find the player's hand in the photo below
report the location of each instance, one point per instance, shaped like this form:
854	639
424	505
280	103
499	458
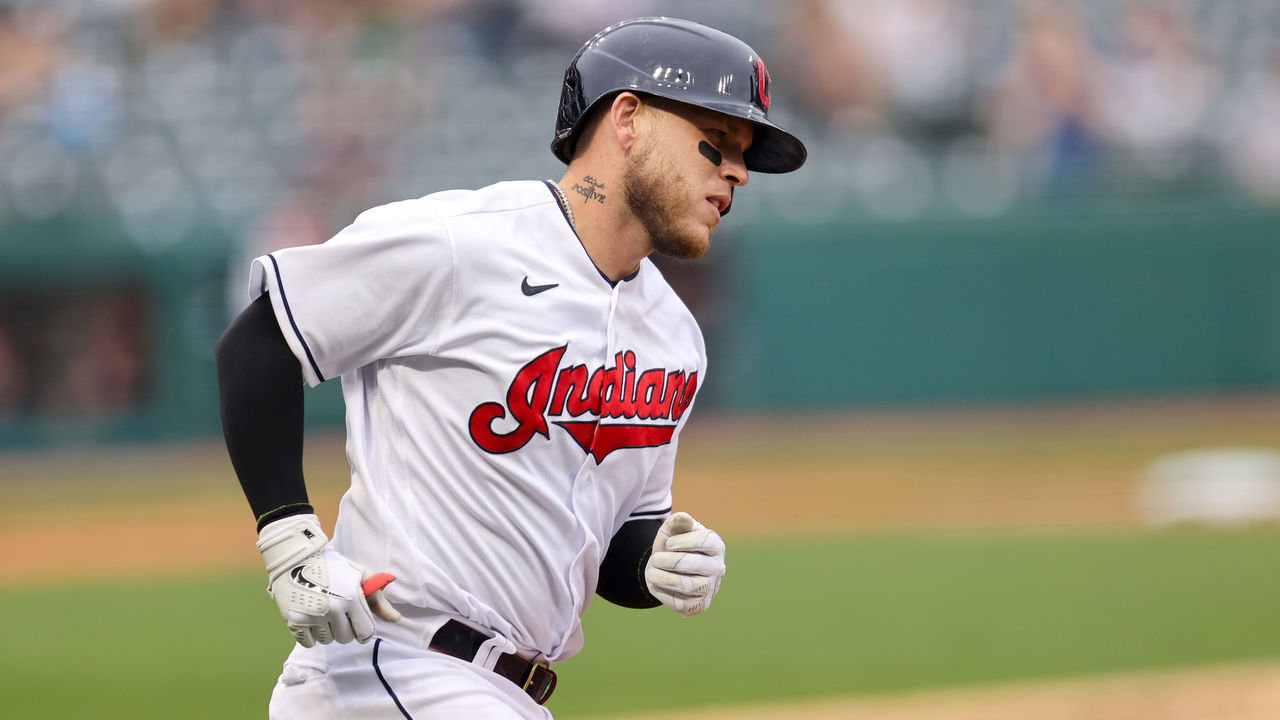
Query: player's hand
319	592
687	565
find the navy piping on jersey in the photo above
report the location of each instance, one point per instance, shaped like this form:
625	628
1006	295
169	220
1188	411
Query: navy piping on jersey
650	514
556	196
376	644
285	299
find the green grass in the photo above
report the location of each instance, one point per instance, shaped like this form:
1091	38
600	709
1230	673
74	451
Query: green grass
207	648
872	615
797	618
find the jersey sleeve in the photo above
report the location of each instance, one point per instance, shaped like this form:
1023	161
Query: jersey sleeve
381	288
655	500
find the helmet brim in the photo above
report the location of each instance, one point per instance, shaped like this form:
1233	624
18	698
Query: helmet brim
774	150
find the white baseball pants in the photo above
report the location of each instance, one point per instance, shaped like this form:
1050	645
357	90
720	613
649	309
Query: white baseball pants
387	680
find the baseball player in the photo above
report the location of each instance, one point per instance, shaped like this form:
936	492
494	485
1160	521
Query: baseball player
516	375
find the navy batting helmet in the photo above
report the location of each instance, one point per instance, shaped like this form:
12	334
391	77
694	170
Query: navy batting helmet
683	61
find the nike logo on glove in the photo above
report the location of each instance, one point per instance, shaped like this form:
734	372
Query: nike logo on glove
302	581
531	290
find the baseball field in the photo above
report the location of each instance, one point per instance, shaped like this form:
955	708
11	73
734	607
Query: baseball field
951	564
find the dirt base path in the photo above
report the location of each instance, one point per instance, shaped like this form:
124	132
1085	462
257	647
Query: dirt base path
1238	692
119	512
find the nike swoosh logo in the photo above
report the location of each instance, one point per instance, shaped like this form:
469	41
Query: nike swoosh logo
531	290
306	583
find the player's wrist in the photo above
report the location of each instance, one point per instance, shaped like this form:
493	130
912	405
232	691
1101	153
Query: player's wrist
289	540
282	512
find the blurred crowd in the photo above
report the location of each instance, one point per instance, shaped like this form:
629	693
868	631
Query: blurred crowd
286	117
1048	96
278	121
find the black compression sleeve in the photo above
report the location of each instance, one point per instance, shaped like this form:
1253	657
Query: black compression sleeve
260	393
622	570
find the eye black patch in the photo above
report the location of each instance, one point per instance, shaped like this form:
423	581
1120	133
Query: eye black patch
710	153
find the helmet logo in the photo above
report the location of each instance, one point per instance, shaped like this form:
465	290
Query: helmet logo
760	90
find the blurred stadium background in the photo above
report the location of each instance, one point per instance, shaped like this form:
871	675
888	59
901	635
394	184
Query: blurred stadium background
1004	200
1036	243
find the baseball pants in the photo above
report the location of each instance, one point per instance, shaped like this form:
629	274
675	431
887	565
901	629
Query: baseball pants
393	681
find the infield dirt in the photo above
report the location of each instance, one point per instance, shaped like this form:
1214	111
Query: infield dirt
1244	692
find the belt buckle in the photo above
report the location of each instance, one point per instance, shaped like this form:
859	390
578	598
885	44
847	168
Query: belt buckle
545	687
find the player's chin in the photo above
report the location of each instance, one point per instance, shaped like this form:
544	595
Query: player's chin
698	240
699	248
688	245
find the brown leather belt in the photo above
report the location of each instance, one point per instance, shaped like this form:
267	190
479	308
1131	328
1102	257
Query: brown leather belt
536	678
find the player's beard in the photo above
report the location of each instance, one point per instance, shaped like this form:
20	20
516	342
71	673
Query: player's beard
652	193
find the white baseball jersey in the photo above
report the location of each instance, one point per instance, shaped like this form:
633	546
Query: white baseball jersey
508	408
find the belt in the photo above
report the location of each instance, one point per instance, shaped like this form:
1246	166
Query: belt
536	678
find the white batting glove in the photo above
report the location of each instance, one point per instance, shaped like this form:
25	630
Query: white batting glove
318	590
687	565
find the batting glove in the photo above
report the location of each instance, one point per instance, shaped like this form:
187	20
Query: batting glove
318	590
687	565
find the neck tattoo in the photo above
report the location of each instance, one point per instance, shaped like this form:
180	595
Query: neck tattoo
564	203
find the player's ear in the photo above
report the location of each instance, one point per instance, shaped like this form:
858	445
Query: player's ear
624	115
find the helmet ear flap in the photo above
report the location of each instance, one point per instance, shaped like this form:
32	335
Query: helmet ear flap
572	106
574	102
